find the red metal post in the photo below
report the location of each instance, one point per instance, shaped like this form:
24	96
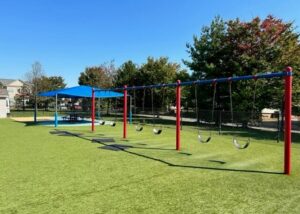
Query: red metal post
125	113
178	108
93	110
288	121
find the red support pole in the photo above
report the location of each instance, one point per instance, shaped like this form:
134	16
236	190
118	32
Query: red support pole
178	109
125	113
287	121
93	110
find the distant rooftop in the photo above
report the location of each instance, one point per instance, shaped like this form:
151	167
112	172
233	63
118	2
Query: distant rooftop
3	93
6	82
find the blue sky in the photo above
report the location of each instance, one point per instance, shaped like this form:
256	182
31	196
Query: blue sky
66	36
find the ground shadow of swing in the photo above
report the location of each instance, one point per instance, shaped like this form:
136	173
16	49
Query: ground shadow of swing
125	148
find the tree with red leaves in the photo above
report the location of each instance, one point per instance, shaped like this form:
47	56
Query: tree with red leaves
234	47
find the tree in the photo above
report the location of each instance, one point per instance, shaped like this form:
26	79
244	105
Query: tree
49	84
23	96
1	85
127	74
38	82
32	77
245	48
98	76
156	71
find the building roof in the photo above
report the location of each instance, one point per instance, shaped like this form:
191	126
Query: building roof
3	93
6	82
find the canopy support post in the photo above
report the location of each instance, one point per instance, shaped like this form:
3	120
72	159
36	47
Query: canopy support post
125	113
55	114
93	109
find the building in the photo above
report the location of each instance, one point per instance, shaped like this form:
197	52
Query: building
13	87
4	103
268	113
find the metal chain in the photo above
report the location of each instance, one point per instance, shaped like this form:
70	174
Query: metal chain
213	102
230	96
196	104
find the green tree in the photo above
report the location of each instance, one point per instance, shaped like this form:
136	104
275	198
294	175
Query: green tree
49	84
1	85
98	76
245	48
156	71
43	83
23	96
127	74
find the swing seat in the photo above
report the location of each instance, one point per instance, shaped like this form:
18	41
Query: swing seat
102	122
239	146
138	128
157	131
203	141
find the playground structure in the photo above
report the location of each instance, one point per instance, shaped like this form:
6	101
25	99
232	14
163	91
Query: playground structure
287	75
77	92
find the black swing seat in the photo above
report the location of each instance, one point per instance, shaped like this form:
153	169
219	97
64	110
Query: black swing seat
138	128
157	131
239	146
102	122
201	140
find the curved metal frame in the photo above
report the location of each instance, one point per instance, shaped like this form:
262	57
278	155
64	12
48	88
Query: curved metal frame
157	131
201	140
139	128
239	146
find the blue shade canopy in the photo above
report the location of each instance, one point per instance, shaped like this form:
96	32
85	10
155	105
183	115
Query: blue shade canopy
80	92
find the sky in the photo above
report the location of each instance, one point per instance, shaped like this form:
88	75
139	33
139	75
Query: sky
66	36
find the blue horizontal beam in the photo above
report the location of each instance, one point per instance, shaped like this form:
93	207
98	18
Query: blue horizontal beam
268	75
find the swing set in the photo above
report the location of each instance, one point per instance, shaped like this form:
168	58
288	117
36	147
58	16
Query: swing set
102	122
157	130
286	75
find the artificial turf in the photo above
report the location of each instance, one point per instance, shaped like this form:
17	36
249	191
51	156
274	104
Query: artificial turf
45	171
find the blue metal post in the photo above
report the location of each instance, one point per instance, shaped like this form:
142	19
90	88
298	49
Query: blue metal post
130	117
55	115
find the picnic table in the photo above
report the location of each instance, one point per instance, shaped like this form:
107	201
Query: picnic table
73	117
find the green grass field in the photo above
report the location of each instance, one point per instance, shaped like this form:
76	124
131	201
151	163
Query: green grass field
49	173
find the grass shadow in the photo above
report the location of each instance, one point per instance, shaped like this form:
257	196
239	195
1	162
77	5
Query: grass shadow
125	148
